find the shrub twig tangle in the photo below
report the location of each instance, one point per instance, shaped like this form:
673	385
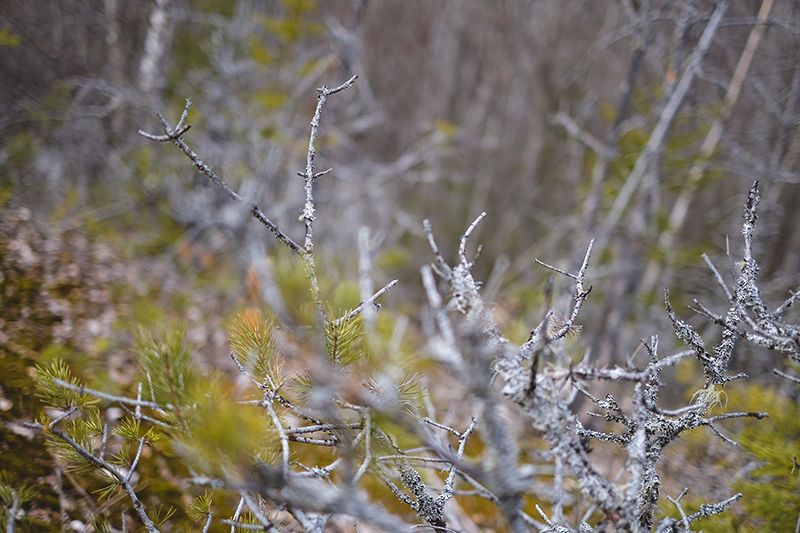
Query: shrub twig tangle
370	441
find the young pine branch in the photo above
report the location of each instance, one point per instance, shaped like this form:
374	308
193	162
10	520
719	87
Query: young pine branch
123	481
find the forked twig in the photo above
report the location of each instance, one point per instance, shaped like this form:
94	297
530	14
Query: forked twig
174	136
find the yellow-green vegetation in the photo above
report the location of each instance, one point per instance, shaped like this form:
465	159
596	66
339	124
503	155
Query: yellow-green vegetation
770	482
8	38
762	468
314	388
204	422
70	301
201	407
201	413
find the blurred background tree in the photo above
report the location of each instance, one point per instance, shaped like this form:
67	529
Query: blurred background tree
535	111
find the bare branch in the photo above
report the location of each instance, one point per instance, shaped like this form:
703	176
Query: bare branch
442	266
582	135
659	132
367	447
370	301
104	396
12	512
462	248
787	376
174	136
308	210
680	208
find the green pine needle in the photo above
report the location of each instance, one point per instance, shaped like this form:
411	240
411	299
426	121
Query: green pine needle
7	491
343	341
82	433
101	524
56	396
200	507
164	362
94	421
302	384
128	428
123	457
251	519
161	516
252	338
108	492
410	390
